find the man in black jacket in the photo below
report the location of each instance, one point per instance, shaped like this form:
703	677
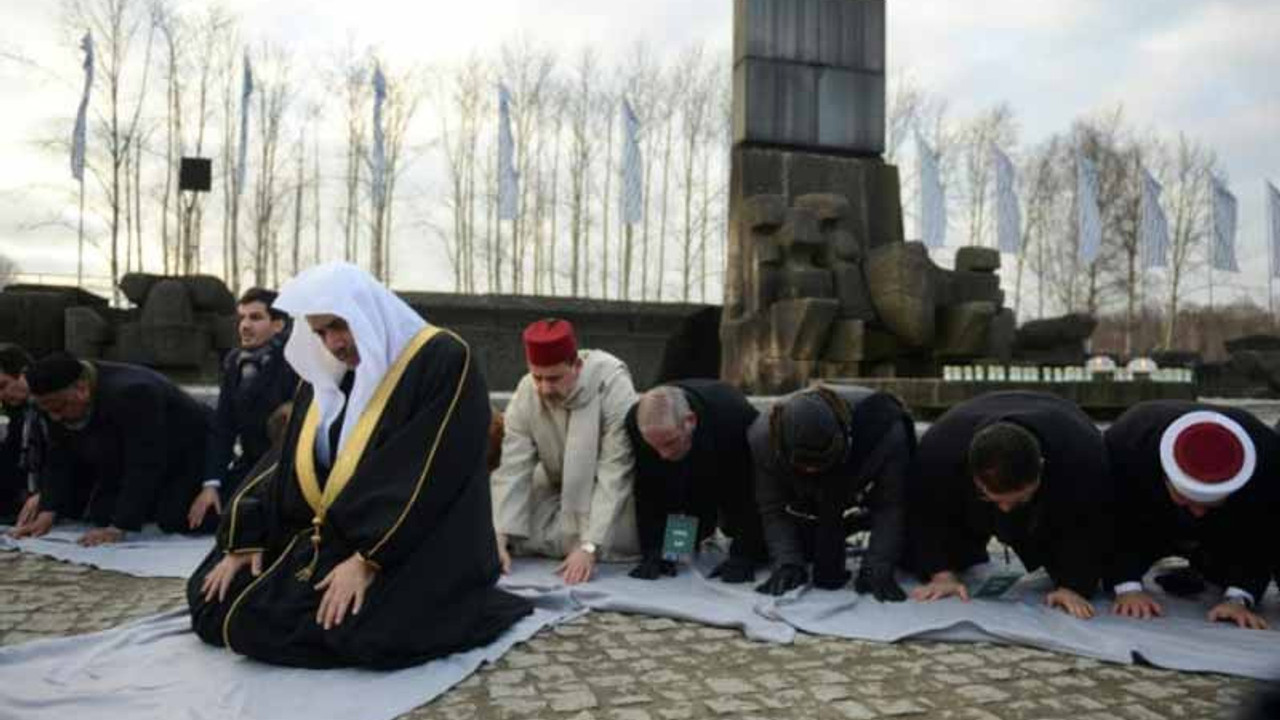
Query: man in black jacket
1027	467
126	447
24	441
256	381
692	460
1197	481
823	458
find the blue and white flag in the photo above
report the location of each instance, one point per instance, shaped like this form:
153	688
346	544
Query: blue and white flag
246	92
1088	217
78	135
1224	228
933	198
1008	214
379	160
508	180
632	168
1273	227
1153	232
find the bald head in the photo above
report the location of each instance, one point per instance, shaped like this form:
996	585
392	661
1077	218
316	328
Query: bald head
666	422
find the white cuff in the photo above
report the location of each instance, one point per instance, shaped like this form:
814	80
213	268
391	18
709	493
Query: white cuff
1125	588
213	483
1235	593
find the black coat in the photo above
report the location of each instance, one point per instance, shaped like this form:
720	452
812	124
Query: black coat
1151	526
415	503
139	457
714	481
242	413
21	455
1066	527
870	477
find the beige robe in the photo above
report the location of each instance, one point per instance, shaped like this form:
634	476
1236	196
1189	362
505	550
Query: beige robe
567	470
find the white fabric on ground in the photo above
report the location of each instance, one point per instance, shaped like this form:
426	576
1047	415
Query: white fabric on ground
149	553
157	669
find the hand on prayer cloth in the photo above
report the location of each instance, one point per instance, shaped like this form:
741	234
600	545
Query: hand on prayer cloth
1071	602
40	525
879	582
1137	605
577	567
941	585
101	536
735	570
504	555
652	569
1228	611
207	500
219	579
785	578
30	509
344	588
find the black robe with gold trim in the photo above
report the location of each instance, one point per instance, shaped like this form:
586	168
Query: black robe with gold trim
409	492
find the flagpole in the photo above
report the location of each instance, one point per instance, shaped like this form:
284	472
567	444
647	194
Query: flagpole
80	243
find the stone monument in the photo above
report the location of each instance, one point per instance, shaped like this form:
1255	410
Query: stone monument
820	282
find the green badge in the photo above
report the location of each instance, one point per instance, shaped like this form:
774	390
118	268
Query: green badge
680	536
996	585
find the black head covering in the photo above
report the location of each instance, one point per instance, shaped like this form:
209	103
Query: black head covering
809	433
13	359
54	372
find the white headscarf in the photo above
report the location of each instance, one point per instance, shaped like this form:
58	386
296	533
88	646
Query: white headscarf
381	323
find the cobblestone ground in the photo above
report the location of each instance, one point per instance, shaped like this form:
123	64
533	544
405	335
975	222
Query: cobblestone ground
622	667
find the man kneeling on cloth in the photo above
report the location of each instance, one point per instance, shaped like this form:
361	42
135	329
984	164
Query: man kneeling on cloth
367	539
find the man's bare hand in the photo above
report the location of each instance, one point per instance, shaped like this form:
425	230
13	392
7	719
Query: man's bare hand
504	555
30	509
577	567
1071	602
207	500
218	580
344	588
40	525
1238	614
1137	605
941	585
101	536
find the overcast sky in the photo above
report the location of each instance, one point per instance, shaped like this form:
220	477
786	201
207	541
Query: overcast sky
1204	67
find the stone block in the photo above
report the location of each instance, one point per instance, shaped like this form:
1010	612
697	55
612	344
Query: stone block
135	286
34	319
210	294
223	334
799	328
168	303
851	110
764	213
777	29
85	331
852	292
978	259
843	246
775	103
900	279
829	208
1260	342
880	345
800	237
963	330
845	343
1052	333
795	283
969	287
852	34
883	204
129	346
1000	336
783	375
766	285
176	346
740	350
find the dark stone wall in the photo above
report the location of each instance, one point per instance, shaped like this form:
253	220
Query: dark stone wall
658	341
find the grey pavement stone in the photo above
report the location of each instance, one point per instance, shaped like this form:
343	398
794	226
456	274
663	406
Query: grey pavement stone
609	666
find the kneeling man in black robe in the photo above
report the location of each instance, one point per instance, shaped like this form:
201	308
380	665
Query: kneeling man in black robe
367	539
1029	468
1195	481
824	459
693	466
126	448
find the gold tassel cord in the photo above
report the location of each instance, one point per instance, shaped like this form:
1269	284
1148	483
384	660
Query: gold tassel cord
306	573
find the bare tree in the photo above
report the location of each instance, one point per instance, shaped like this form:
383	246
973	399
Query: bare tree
582	152
995	126
1186	200
274	95
526	69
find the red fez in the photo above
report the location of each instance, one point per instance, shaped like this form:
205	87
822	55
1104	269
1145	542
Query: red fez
1207	456
550	342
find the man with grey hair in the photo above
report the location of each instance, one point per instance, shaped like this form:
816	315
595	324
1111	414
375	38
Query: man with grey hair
693	464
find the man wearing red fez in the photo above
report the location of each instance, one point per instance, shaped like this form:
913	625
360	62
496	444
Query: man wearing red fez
563	488
1199	482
